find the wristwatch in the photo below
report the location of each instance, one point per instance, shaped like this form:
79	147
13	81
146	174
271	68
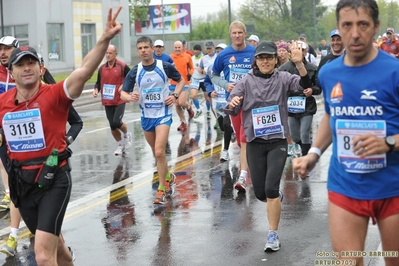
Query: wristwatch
175	95
391	142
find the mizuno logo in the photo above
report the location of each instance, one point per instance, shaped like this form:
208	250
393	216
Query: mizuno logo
367	95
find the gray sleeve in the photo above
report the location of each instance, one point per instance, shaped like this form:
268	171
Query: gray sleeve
216	79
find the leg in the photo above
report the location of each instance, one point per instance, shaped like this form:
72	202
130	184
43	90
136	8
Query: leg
276	159
110	113
347	230
194	98
161	137
295	127
5	202
11	244
306	125
51	250
390	237
257	161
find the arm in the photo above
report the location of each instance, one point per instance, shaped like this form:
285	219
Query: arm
208	85
304	164
76	124
75	82
128	86
126	70
48	78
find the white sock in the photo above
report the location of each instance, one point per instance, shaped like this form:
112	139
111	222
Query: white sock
14	232
275	231
244	174
8	191
125	134
120	143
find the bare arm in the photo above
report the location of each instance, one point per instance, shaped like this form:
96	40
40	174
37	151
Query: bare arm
78	78
323	139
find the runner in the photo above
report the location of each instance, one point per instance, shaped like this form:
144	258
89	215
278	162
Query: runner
262	96
151	77
109	82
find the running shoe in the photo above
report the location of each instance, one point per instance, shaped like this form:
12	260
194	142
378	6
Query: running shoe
224	156
297	151
273	243
290	150
128	140
197	114
208	115
72	253
5	202
170	185
160	197
182	127
240	185
10	247
120	150
190	112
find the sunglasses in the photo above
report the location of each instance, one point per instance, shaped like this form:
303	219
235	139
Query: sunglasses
265	57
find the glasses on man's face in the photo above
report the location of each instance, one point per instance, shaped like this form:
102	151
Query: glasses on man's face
265	57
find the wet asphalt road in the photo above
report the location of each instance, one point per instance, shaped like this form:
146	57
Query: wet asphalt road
111	219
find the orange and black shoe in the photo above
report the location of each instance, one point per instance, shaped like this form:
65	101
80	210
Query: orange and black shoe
170	185
160	197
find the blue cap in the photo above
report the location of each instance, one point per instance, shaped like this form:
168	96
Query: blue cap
334	33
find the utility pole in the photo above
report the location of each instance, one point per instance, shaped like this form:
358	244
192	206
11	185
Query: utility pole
314	24
229	6
163	23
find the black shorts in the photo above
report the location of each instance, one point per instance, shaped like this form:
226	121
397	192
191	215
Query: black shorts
202	86
114	115
3	154
44	209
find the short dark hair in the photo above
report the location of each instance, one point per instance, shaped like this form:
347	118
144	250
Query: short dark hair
144	39
197	47
370	6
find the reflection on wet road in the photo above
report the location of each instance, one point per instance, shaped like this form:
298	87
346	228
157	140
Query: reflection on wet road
111	219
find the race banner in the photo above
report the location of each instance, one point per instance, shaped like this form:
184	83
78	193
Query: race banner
176	19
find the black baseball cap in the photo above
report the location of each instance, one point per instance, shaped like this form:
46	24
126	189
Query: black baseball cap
266	48
20	52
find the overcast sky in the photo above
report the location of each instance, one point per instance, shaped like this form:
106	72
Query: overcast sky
202	7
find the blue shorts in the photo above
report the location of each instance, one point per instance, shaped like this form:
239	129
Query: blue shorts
173	87
149	124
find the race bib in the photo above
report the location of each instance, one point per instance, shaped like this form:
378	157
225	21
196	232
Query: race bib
219	102
109	91
153	98
195	83
346	129
237	74
296	104
323	52
24	131
266	121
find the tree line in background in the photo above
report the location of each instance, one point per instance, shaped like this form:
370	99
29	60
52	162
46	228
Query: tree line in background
274	19
277	19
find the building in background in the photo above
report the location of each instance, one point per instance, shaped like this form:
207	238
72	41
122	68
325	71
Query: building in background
63	32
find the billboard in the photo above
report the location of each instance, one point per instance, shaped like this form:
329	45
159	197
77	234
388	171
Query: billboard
176	18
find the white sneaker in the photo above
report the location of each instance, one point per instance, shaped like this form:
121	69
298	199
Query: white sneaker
224	156
241	185
120	150
128	140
